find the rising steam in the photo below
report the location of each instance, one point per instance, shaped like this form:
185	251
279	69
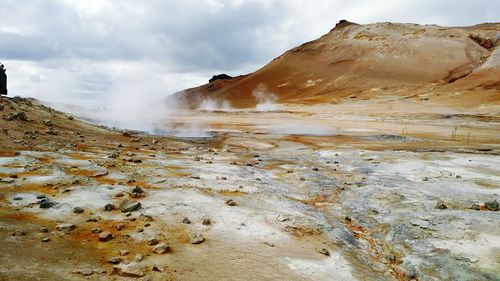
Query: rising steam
266	101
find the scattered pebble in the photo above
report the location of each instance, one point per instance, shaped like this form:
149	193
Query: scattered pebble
161	248
492	205
196	238
114	260
66	227
441	205
324	251
105	236
231	202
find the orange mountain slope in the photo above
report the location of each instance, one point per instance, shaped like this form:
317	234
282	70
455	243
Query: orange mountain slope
452	65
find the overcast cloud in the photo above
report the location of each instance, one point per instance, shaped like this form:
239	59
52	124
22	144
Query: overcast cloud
87	51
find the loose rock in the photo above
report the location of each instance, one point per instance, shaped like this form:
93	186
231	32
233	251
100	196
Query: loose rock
66	227
84	271
46	203
161	248
105	236
231	202
109	207
153	241
324	252
206	221
129	206
186	220
124	252
196	238
441	205
132	269
96	230
114	260
77	210
492	205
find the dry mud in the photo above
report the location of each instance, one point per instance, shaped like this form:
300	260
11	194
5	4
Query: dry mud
328	200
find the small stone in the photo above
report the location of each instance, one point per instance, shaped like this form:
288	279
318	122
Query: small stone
84	271
124	252
40	196
324	251
196	238
47	122
441	205
186	220
129	206
92	220
52	131
21	116
105	236
66	227
144	217
302	179
206	221
315	169
120	226
270	244
158	268
19	233
476	207
18	198
45	239
153	241
132	269
161	248
46	203
114	155
139	257
96	230
109	207
114	260
231	202
77	210
492	205
44	229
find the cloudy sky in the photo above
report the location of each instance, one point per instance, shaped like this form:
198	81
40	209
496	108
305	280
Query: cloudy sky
90	52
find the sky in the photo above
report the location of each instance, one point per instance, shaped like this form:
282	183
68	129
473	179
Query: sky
96	52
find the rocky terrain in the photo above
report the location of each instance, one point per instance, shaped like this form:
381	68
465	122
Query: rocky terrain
392	177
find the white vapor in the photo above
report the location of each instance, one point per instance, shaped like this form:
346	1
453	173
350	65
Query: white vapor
266	101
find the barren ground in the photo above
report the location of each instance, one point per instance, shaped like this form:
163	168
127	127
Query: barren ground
317	196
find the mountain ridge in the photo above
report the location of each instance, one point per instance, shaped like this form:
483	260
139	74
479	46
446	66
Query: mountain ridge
368	61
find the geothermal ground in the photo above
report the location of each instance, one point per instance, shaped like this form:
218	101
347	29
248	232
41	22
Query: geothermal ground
387	190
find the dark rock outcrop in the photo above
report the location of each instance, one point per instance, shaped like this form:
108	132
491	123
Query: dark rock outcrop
219	77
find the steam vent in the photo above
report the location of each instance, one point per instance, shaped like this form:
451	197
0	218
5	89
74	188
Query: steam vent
3	80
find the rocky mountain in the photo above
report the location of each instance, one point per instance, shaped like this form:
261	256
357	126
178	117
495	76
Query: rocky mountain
459	66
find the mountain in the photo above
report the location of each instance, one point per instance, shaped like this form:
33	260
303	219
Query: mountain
452	65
